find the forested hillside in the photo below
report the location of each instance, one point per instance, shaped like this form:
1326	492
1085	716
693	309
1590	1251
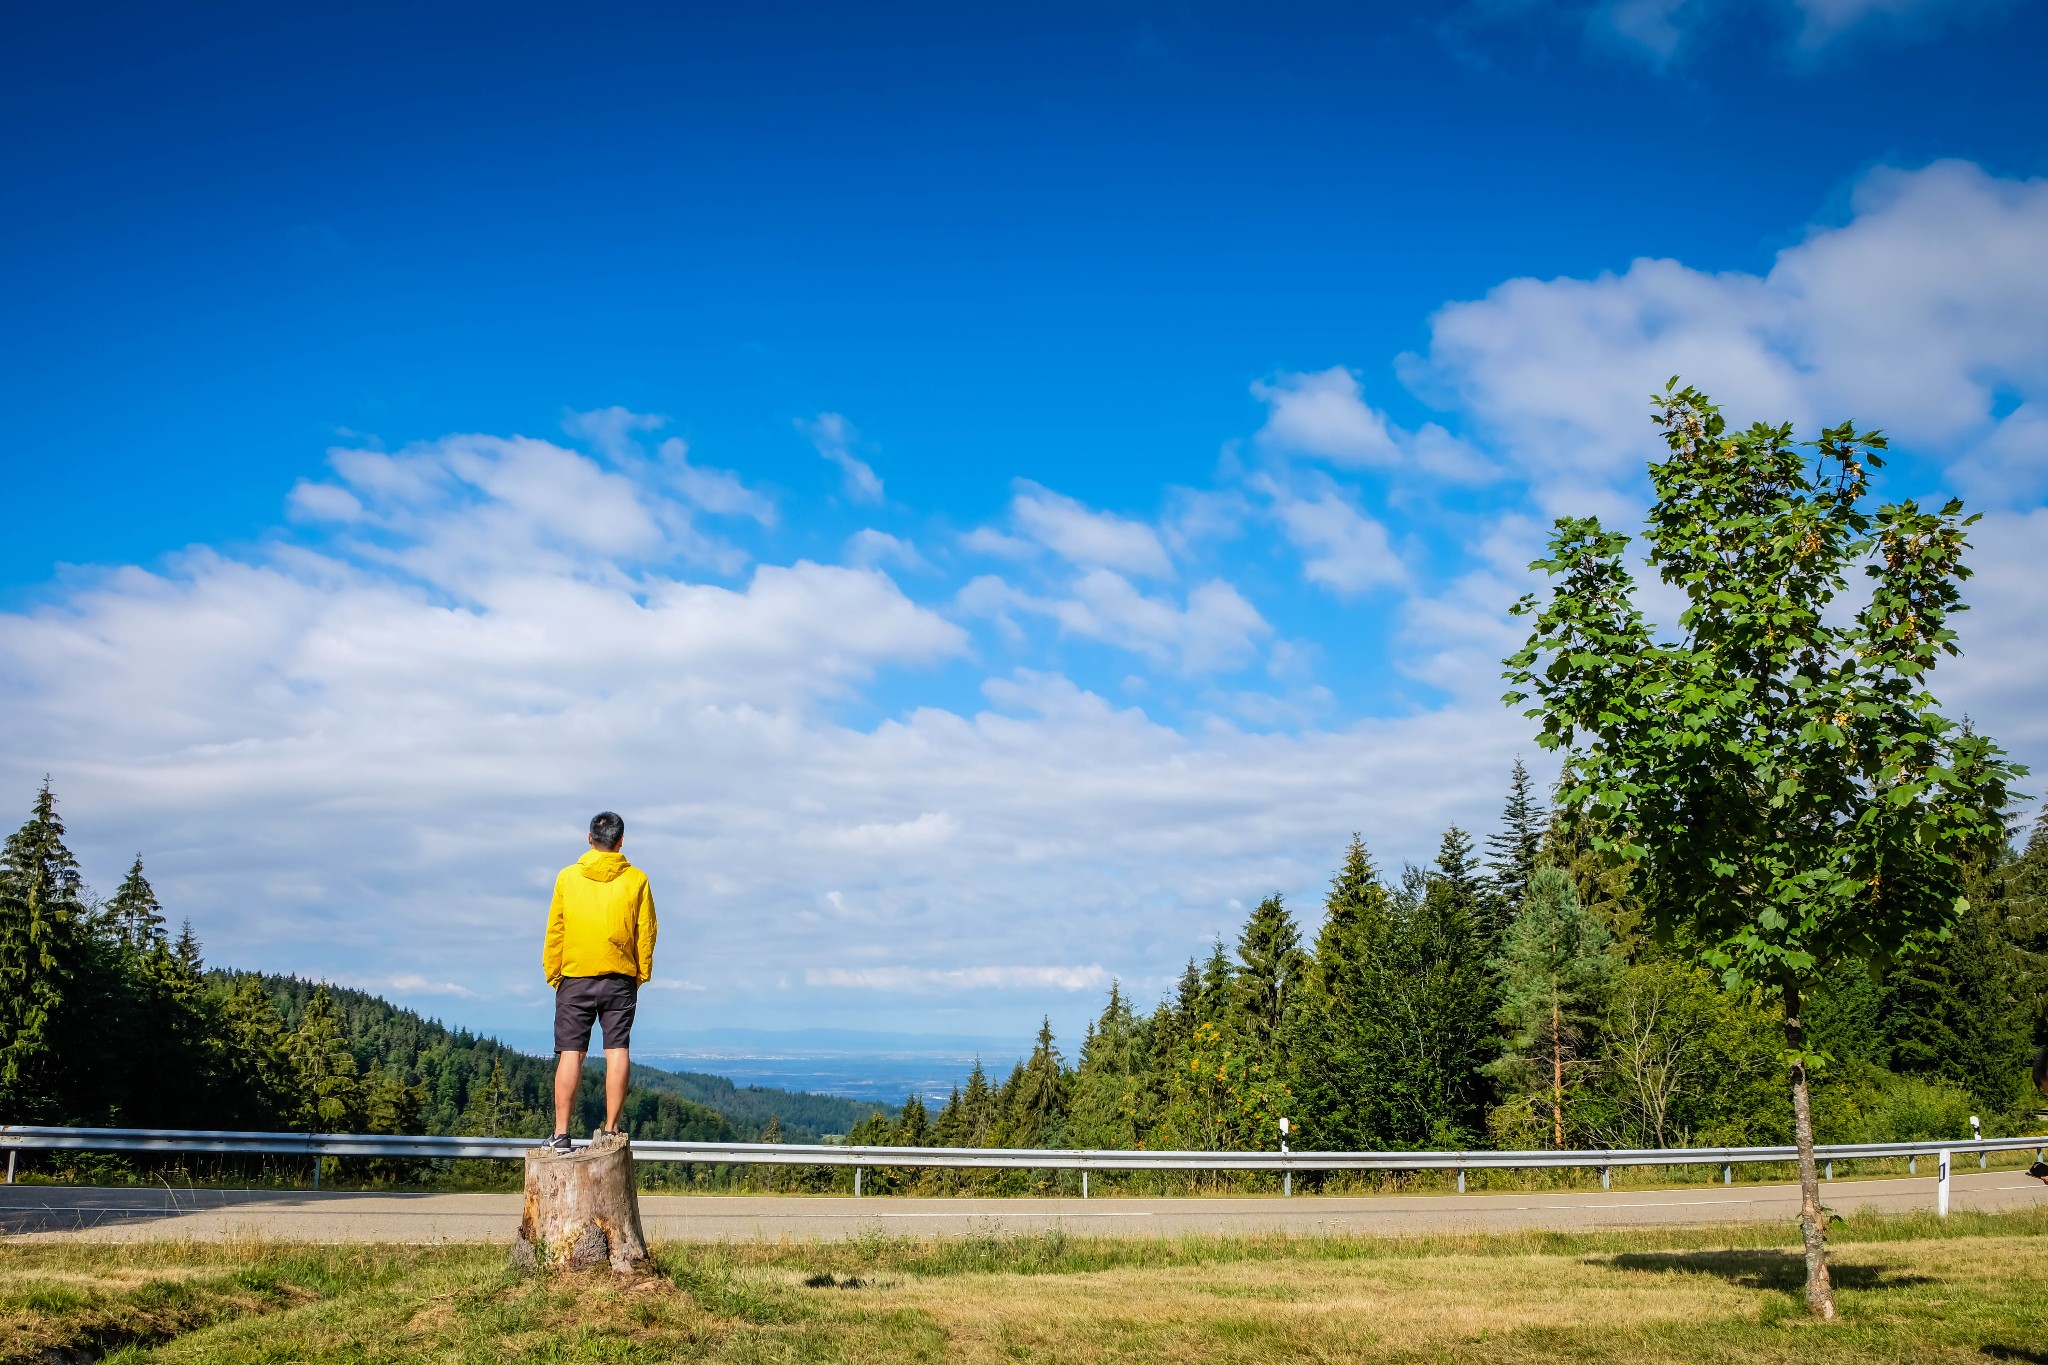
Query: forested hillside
106	1019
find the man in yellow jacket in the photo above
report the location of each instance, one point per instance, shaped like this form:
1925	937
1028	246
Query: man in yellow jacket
600	950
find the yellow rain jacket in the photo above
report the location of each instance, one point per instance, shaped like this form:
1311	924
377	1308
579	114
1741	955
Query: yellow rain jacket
601	920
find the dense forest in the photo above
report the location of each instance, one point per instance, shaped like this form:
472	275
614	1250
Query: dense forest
108	1019
1510	998
1500	997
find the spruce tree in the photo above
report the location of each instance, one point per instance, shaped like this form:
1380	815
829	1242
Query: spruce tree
977	1110
133	915
1036	1102
1112	1087
1270	963
1554	970
913	1124
1213	1001
1338	1046
41	950
491	1111
1439	999
331	1087
260	1083
1511	853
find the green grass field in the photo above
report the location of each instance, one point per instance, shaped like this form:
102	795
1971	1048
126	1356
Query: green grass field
1973	1287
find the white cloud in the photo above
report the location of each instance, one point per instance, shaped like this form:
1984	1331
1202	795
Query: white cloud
309	501
1343	548
1922	313
719	492
1086	537
834	436
1214	629
363	750
870	547
1325	414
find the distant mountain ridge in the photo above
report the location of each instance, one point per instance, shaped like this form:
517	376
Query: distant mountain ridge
461	1074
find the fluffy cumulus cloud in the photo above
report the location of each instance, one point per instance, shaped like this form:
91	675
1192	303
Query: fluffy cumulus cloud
362	748
1325	414
1921	314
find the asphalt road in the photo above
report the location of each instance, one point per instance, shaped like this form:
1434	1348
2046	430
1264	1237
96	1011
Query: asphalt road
79	1213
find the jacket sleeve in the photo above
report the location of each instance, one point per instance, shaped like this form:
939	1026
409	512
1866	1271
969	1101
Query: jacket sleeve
643	934
551	953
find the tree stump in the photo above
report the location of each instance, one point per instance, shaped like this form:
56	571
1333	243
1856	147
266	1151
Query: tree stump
581	1210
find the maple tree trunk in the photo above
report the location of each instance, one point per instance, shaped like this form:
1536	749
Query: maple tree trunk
1820	1292
581	1210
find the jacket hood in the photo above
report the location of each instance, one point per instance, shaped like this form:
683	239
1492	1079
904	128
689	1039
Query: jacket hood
600	866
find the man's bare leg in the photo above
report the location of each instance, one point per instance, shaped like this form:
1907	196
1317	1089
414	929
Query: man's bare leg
568	1072
617	1062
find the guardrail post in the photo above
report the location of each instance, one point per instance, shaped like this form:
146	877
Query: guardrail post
1084	1184
856	1182
1912	1165
1941	1187
1461	1180
1831	1172
318	1162
1606	1177
1727	1175
10	1165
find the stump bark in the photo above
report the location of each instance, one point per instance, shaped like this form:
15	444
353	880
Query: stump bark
581	1210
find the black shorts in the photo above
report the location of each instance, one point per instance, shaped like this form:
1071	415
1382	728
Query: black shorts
606	1000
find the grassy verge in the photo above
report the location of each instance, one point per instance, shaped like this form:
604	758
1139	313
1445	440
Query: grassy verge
1973	1287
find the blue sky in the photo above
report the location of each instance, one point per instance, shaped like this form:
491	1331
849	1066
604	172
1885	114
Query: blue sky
986	494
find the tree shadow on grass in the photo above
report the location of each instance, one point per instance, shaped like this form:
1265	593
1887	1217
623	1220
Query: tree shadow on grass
1783	1270
2019	1353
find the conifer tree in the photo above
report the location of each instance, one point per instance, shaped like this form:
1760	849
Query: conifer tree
331	1086
977	1122
491	1111
1511	853
1036	1104
1112	1087
1270	964
1213	1001
260	1082
1337	1047
133	915
41	946
913	1124
1439	999
1554	970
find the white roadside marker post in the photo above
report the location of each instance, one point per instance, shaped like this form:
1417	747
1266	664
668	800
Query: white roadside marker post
1084	1182
1941	1187
1286	1177
10	1165
1977	1135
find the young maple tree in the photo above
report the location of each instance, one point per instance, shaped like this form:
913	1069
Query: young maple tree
1780	778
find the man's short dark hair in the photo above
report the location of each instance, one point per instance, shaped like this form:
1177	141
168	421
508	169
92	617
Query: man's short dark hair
607	830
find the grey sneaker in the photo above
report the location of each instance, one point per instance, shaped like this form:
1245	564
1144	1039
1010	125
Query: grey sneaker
559	1143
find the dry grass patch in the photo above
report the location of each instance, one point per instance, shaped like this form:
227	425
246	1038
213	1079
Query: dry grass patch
1912	1291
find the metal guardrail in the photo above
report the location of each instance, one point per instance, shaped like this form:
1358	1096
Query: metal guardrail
19	1138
